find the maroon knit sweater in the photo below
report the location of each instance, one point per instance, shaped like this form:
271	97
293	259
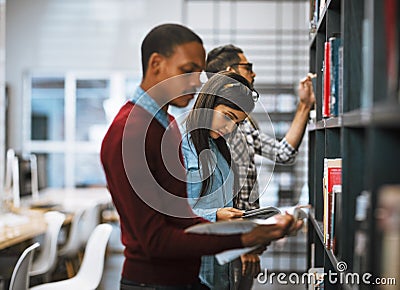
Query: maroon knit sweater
157	251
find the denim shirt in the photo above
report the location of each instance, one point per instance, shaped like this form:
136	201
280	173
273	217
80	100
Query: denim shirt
141	98
219	195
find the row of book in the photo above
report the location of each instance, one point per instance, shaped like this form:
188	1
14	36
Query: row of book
332	67
332	191
332	95
316	9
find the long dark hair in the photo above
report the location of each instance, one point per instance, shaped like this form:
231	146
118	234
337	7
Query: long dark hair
225	88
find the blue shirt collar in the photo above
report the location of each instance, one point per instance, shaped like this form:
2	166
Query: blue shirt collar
141	98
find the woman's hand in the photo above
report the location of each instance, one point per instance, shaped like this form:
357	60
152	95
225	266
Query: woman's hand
227	213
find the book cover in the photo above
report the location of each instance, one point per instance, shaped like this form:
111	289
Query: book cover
341	81
326	86
335	43
336	219
332	177
322	4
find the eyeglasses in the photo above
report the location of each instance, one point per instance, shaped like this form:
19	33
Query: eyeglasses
248	65
254	94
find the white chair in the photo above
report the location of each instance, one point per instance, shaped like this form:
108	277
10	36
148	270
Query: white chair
73	244
20	275
91	270
90	219
46	261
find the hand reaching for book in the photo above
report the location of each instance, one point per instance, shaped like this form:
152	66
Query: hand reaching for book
306	91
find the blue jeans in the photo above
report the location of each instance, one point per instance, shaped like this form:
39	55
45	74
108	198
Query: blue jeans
130	285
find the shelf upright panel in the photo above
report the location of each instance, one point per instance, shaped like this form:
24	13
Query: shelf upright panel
374	15
311	167
312	57
383	168
353	183
352	18
333	19
332	143
319	168
316	248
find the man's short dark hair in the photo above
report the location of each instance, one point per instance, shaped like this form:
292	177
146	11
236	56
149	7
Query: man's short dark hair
163	39
221	57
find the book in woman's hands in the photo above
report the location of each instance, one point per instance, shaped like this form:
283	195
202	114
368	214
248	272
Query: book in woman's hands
251	219
261	213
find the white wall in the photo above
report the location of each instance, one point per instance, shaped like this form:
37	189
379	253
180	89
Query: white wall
58	35
2	91
61	35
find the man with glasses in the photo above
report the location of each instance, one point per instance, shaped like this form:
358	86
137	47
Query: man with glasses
249	141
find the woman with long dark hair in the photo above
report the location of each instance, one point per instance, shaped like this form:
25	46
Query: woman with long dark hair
224	101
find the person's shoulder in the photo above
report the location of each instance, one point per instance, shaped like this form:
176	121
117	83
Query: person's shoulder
187	144
189	153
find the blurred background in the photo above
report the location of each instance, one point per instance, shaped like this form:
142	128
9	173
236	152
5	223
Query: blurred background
67	66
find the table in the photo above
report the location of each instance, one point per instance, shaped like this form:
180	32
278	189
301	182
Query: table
27	225
69	199
66	200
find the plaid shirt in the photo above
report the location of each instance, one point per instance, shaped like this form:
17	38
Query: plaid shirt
245	143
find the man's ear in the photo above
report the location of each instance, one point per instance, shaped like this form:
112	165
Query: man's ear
228	68
155	61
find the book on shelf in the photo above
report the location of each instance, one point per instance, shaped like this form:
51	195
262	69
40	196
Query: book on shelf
322	4
341	80
332	176
337	219
326	79
314	17
334	43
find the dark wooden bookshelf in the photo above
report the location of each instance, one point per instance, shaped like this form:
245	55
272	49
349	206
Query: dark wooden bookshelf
365	135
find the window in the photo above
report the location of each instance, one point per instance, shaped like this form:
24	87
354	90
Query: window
65	119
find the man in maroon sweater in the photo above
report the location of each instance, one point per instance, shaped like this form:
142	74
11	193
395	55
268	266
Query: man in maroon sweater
143	165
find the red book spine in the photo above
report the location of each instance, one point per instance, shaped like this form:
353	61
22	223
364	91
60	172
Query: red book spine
334	177
327	82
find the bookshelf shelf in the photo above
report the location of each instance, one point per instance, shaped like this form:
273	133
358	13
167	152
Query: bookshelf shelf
357	118
383	116
362	131
317	225
333	122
